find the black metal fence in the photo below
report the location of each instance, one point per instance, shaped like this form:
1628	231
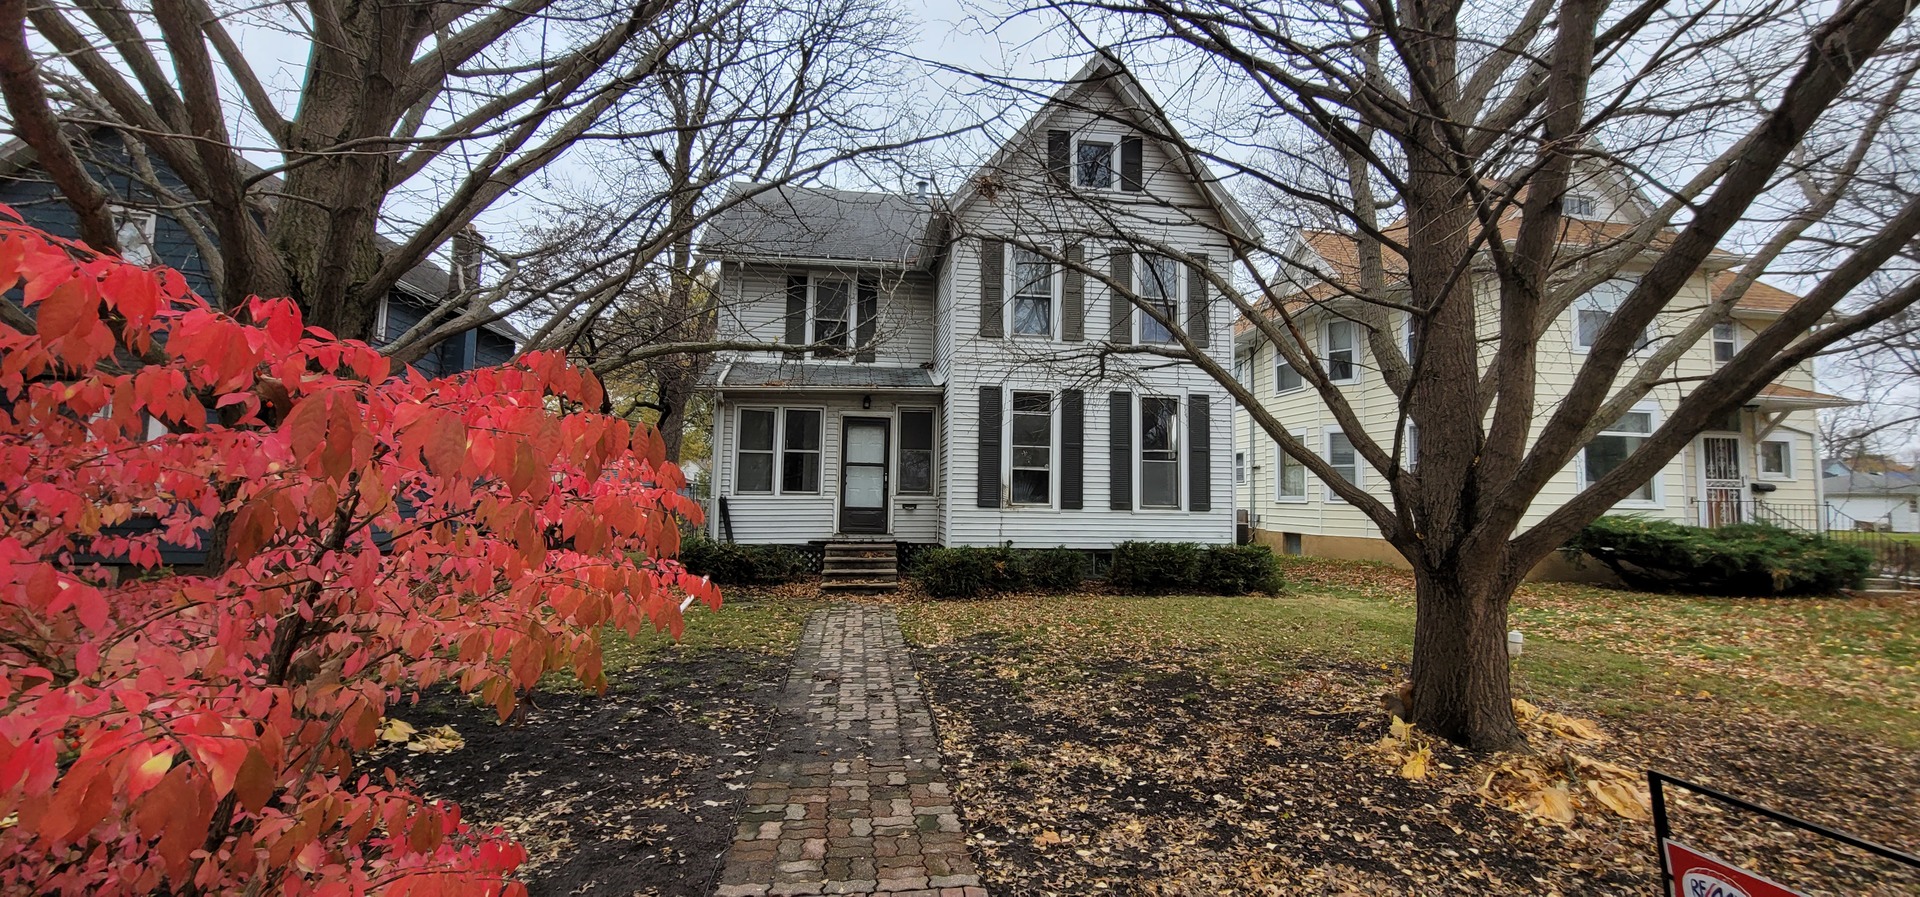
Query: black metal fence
1896	556
1657	783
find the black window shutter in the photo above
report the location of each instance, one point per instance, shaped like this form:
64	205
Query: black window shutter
1073	299
1200	457
987	495
993	288
1059	156
869	309
1199	311
1133	164
1120	450
796	332
1120	328
1073	449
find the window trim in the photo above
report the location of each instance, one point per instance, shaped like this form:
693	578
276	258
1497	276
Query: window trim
1326	350
1239	468
1112	143
149	226
1281	462
1760	458
1592	205
1180	453
1280	361
933	449
1714	341
1053	448
1056	283
1659	500
1647	338
1177	289
1327	495
779	451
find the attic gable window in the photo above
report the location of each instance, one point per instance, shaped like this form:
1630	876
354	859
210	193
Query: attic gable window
1093	164
134	228
1579	205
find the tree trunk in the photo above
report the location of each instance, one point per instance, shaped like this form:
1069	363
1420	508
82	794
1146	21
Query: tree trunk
1461	690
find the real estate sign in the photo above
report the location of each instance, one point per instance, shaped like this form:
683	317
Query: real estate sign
1696	874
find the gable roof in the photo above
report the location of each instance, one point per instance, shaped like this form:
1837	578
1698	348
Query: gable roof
1106	68
820	224
1872	484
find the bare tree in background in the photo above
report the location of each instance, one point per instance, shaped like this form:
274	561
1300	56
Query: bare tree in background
1884	368
413	118
1442	138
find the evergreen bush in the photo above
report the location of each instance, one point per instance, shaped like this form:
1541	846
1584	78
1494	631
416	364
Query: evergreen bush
1745	559
731	563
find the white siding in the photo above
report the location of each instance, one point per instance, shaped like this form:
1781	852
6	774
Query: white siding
796	519
756	310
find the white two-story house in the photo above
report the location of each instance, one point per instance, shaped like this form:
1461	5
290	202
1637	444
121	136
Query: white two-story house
1760	463
964	369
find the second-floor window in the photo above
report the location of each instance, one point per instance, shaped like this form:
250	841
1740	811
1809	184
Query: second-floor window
1033	282
832	314
1285	378
1726	341
1159	289
1592	311
1342	351
135	229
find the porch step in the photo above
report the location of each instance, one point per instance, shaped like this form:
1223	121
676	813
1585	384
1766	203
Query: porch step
864	567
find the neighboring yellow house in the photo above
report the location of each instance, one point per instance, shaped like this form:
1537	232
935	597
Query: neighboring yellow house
1762	462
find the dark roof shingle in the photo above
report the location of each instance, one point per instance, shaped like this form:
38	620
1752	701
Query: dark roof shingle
818	223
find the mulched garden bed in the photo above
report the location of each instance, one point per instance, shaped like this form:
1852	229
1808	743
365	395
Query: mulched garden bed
631	793
1149	776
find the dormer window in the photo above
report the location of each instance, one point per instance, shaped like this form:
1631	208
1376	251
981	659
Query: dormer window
1093	164
1579	205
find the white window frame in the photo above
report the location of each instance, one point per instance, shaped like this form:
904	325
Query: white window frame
1359	479
1760	458
147	222
777	480
1239	468
1594	298
1282	462
1053	448
1326	350
1280	361
1569	202
1179	452
1659	499
1406	337
1410	446
772	450
1175	290
1054	285
1732	340
1112	142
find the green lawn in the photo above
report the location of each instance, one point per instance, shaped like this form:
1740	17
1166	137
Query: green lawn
1848	664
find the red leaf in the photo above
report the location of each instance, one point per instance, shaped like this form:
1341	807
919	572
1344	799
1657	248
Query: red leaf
443	442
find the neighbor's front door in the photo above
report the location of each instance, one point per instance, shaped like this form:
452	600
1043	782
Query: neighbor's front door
1723	488
863	475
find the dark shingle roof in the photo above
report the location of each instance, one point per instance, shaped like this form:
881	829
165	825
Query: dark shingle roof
818	223
825	374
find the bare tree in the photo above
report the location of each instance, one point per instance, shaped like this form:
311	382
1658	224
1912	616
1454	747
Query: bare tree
1440	140
413	118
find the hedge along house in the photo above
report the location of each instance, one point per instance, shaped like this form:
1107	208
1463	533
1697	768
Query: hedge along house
160	223
965	378
1759	464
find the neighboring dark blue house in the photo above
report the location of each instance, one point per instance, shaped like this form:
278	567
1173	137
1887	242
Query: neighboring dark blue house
160	227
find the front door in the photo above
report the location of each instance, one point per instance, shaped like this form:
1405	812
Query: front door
1723	488
863	475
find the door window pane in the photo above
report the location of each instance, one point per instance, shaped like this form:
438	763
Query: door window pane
1031	479
1159	285
800	457
753	457
916	452
1159	452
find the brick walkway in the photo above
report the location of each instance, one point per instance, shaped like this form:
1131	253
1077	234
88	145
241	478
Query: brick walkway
852	801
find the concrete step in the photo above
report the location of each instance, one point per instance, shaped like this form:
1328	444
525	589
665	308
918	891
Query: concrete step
859	563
